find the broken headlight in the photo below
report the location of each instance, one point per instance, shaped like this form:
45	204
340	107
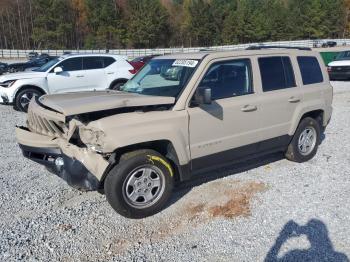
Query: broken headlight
92	138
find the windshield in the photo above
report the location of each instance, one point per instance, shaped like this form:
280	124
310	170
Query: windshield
343	56
47	66
162	77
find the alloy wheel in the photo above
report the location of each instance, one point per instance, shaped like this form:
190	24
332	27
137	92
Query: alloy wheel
143	186
307	141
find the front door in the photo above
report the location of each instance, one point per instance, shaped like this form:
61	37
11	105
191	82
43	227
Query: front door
72	79
228	128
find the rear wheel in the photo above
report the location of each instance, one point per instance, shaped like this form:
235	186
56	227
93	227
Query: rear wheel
23	98
306	139
117	85
140	185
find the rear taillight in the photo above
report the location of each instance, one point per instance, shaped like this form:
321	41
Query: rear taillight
135	69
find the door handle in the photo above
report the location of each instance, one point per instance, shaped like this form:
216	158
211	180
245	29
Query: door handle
249	108
110	73
80	76
294	99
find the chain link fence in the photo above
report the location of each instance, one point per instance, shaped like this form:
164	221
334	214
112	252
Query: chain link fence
131	53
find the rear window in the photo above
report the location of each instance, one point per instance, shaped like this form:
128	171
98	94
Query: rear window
93	62
108	61
310	70
276	73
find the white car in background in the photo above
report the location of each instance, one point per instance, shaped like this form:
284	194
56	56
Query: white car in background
69	73
339	69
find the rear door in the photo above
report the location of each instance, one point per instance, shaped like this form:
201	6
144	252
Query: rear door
281	95
94	75
316	87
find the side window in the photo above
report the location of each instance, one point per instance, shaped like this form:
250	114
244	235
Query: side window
93	62
72	64
107	61
310	70
229	79
276	73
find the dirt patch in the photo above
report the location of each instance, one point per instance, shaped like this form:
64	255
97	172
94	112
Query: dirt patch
228	199
65	227
239	202
196	209
233	208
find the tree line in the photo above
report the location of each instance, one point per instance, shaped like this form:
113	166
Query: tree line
108	24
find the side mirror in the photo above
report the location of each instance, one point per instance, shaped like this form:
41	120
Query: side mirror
58	70
203	96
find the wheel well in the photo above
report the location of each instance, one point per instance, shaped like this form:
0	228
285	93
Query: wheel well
29	86
164	147
120	80
316	114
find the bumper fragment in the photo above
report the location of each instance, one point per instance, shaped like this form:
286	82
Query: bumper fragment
79	167
5	96
4	99
70	170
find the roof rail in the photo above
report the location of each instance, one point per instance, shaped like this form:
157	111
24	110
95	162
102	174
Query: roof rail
259	47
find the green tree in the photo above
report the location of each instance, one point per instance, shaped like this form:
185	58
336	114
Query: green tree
335	17
246	23
220	10
106	24
53	24
147	24
104	20
198	26
276	26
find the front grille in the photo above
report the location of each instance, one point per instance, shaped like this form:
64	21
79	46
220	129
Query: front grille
38	123
340	68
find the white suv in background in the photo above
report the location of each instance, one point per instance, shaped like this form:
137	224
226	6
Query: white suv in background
69	73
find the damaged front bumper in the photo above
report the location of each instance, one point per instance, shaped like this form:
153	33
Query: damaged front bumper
79	167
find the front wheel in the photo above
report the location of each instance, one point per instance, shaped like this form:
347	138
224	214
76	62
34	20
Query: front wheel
306	139
23	98
140	185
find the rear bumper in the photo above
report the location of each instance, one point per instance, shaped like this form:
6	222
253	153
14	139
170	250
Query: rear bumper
70	170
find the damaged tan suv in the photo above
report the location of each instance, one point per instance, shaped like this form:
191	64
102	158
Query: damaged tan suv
181	115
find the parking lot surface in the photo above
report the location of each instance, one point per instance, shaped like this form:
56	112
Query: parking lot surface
266	209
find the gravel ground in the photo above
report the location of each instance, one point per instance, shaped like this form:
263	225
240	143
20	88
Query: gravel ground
269	209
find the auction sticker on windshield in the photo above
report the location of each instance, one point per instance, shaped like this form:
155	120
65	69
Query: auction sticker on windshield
186	63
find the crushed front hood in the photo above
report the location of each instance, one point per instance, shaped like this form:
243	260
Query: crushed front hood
85	102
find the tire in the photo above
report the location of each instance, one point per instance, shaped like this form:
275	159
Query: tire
301	150
23	98
117	85
131	186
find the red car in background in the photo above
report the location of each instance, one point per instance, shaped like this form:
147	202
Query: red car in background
139	62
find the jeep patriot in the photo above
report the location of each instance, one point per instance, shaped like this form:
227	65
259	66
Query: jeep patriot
181	115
